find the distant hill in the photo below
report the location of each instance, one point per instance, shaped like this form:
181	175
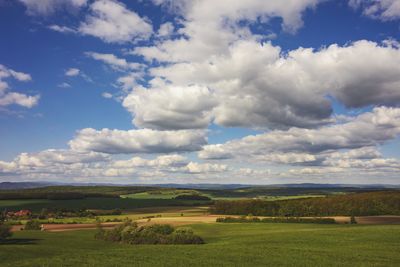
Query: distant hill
27	185
23	185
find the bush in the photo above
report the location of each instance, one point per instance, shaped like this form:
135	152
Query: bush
130	233
33	225
185	236
163	229
5	231
353	220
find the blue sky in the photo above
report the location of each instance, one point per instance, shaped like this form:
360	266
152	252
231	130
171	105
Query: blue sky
182	91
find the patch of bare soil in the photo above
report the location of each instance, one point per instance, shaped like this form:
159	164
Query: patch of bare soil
378	220
176	221
17	228
71	227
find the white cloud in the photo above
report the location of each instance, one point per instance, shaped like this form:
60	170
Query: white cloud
366	130
72	72
287	158
164	161
138	141
54	156
62	29
194	167
166	30
115	62
216	151
19	99
129	81
106	95
170	107
378	9
360	153
209	27
47	7
13	98
20	76
64	85
272	89
112	22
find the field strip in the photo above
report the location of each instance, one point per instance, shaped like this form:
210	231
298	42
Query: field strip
187	220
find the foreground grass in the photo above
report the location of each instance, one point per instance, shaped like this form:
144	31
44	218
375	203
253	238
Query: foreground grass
227	245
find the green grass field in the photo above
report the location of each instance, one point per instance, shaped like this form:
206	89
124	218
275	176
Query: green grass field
227	245
159	194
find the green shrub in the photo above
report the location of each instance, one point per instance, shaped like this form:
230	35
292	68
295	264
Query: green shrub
130	233
33	225
185	236
5	231
353	220
163	229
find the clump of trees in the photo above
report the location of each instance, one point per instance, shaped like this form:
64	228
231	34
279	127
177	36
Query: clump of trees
192	197
357	204
244	219
62	213
130	233
5	229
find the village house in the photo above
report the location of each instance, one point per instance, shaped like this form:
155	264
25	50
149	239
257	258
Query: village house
21	213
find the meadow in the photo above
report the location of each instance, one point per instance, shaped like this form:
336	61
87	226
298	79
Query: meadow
226	245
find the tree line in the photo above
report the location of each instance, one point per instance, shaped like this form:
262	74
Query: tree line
52	196
357	204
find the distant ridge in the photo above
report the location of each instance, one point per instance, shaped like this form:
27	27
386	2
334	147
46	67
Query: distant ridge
26	185
23	185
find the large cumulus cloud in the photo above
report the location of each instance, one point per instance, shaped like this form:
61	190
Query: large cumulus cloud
366	130
138	141
257	85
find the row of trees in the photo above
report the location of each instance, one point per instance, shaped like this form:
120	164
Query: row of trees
193	197
358	204
62	213
51	196
250	219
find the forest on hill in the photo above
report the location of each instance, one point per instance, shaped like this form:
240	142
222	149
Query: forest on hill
357	204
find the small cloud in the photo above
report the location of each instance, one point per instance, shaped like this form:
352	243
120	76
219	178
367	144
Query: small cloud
62	29
106	95
72	72
64	85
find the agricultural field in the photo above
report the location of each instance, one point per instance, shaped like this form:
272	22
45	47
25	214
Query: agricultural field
69	227
160	194
36	205
226	245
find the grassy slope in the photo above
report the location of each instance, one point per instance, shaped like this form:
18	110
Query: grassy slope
227	245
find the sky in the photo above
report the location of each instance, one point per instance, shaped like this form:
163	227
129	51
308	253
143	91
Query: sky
162	91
